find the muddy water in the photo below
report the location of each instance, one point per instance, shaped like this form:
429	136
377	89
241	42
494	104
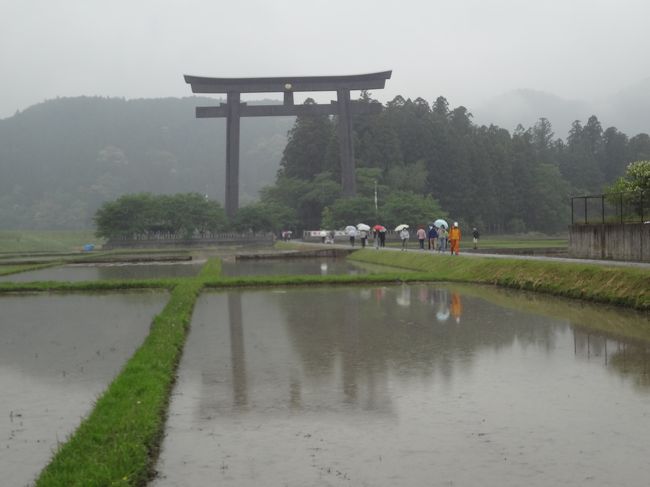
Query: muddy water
93	272
57	354
321	266
406	386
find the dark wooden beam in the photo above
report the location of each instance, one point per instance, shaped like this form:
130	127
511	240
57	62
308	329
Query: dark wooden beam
232	154
369	81
346	146
245	110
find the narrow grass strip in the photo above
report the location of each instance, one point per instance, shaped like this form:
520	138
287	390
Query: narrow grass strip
76	286
614	285
6	270
211	269
117	444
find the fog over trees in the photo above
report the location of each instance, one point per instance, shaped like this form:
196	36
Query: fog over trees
62	159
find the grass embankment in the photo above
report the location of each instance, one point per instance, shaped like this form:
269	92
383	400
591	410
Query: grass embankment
622	286
118	443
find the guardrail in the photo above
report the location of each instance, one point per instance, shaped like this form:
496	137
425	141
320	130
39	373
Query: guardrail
631	207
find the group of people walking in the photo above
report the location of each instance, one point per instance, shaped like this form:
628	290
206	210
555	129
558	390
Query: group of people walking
438	238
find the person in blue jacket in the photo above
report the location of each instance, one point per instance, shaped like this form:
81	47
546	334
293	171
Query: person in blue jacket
433	236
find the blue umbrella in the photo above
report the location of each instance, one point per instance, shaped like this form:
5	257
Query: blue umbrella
440	223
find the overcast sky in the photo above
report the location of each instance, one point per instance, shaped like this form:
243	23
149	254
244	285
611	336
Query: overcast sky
466	50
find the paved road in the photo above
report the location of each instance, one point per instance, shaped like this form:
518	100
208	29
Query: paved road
614	263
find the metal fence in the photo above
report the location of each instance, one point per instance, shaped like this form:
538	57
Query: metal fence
632	207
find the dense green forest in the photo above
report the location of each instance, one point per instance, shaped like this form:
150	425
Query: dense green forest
483	176
62	159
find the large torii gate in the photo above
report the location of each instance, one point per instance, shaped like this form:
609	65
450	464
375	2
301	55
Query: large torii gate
233	109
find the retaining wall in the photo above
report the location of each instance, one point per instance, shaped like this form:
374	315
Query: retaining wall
620	241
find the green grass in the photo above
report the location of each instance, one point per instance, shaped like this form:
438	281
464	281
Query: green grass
46	240
118	443
613	285
15	269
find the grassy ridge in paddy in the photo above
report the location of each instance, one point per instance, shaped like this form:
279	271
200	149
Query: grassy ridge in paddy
614	285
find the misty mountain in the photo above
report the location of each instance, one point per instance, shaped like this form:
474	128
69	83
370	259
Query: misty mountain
61	159
628	110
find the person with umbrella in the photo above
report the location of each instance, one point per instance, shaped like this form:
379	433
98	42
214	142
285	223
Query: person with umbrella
363	233
441	228
352	233
454	239
380	236
403	234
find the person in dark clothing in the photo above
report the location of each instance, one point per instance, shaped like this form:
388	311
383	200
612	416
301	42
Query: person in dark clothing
475	237
433	236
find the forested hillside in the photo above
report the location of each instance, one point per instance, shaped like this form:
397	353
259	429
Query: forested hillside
483	176
61	159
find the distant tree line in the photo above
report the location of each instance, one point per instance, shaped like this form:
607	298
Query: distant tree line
416	162
145	215
429	160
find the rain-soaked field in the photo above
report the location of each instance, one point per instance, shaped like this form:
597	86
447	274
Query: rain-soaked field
417	385
405	385
57	354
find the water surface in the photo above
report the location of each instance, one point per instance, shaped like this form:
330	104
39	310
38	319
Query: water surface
93	272
57	354
318	266
407	385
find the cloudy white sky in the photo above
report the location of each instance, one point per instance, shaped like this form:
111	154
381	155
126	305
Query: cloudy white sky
466	50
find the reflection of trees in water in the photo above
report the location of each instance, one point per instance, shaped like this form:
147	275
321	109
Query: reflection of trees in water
628	358
401	328
633	360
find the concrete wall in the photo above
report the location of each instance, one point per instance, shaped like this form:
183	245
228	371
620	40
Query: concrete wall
626	241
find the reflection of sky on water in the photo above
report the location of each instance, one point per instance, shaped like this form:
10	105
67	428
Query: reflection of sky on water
322	266
83	272
437	381
57	354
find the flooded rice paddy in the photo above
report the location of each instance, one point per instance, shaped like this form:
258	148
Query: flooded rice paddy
93	272
257	267
58	353
407	386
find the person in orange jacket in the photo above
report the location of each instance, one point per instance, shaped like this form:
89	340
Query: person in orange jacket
454	239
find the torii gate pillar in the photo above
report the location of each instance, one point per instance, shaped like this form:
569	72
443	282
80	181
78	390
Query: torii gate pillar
233	110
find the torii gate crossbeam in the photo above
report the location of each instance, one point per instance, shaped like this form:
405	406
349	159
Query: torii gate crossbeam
234	109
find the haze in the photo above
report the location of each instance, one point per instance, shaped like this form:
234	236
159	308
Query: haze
467	50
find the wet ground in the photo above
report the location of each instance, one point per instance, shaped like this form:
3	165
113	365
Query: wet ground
406	386
57	354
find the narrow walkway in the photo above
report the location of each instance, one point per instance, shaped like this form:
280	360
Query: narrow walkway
613	263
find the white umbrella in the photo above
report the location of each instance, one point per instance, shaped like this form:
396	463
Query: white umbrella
401	227
351	231
363	226
440	223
